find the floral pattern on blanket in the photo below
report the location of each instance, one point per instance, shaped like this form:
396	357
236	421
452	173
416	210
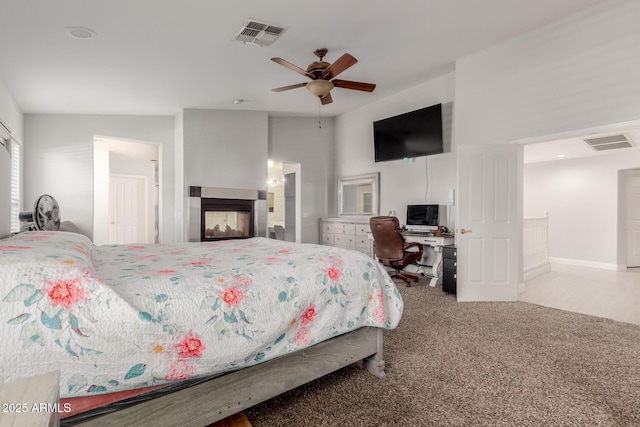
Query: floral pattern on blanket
120	317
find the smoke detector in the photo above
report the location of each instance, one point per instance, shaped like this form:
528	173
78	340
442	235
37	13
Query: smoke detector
259	33
609	142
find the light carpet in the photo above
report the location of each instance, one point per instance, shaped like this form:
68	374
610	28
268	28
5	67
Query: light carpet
475	364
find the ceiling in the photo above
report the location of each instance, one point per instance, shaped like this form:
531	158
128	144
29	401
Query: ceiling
156	57
573	148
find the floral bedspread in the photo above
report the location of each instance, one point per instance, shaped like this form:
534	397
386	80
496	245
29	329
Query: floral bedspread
121	317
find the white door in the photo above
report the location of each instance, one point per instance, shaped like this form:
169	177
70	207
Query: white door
127	209
488	237
633	217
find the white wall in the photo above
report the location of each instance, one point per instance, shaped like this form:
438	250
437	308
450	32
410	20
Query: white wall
578	73
420	181
299	140
58	160
582	199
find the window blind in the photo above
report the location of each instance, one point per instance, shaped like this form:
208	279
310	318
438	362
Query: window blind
15	185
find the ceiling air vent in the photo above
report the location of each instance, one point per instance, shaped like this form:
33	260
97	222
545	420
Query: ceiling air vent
610	142
259	33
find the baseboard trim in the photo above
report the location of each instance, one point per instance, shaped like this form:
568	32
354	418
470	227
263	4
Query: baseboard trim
536	270
592	264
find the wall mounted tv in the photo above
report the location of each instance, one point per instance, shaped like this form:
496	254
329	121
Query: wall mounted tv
414	134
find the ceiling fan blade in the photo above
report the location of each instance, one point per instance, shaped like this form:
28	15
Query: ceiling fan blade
326	99
341	64
283	88
346	84
290	66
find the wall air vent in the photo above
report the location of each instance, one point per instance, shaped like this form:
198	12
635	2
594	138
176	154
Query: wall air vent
610	142
259	33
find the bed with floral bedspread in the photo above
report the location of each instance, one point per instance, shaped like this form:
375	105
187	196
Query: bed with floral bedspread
122	317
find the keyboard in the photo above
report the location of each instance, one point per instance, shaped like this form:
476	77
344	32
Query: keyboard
418	233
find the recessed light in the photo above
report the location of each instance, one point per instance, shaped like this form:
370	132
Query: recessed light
80	32
560	155
238	101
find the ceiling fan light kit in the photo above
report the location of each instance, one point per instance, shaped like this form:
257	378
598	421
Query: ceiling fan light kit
322	76
320	88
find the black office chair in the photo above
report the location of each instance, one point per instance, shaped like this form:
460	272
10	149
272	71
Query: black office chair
391	248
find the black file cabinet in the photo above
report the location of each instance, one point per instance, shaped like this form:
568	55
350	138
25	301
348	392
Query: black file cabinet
449	273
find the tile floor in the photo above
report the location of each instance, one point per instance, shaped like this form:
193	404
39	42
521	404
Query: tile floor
604	293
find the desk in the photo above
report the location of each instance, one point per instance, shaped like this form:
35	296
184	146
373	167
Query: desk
437	242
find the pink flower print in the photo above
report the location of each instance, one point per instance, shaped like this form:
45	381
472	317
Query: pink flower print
135	247
236	250
180	370
378	313
10	247
202	261
65	292
190	346
272	259
284	251
335	262
178	252
35	237
308	315
231	296
242	280
81	250
166	271
333	273
302	337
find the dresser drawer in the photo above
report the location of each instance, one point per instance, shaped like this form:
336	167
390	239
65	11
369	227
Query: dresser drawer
349	229
344	241
327	239
362	242
331	227
362	229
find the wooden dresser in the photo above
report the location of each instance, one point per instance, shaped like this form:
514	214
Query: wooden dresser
349	233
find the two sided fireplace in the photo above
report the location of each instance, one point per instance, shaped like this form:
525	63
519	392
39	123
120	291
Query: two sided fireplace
225	213
226	219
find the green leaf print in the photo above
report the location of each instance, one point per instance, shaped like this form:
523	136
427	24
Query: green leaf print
135	371
76	383
51	322
19	293
34	298
145	316
230	318
19	319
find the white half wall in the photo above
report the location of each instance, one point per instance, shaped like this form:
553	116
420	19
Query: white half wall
582	199
58	160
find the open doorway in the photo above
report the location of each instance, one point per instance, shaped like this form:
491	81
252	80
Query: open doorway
577	185
283	201
126	191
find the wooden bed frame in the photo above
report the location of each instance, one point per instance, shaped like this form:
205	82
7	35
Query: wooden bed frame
220	397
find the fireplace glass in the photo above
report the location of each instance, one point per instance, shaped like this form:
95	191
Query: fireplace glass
224	225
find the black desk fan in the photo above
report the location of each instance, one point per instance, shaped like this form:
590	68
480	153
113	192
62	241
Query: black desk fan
45	215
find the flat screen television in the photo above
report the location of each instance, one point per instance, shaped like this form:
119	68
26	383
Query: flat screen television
413	134
423	217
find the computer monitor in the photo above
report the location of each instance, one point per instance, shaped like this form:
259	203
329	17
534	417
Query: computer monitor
422	217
